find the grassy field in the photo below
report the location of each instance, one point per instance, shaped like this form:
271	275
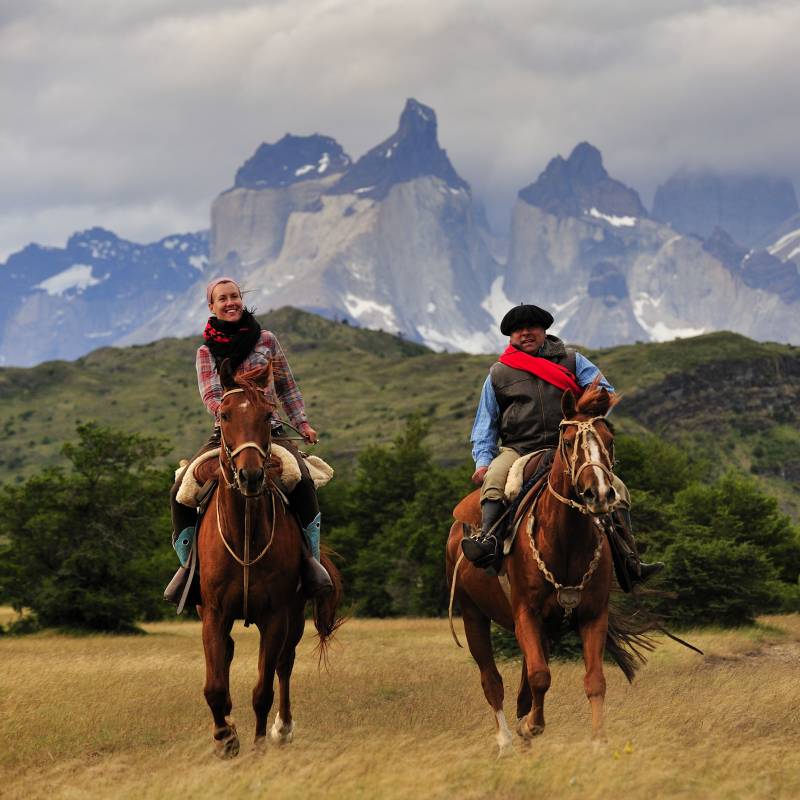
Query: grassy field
399	714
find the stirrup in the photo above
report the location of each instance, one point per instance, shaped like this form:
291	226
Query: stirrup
478	551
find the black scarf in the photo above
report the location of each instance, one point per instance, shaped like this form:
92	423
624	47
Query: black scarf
232	340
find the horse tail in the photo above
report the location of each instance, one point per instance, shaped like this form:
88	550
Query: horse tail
627	640
327	619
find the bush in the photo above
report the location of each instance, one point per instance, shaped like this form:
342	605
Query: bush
87	548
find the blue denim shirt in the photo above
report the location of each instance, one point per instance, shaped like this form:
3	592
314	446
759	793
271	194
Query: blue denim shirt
486	428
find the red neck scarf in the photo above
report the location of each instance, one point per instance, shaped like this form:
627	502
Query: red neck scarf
549	371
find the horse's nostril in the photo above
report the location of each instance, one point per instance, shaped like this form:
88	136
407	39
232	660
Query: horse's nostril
611	495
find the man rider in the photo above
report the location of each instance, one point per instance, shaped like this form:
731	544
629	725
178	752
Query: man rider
523	412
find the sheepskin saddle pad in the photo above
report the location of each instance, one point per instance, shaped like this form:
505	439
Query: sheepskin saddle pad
283	469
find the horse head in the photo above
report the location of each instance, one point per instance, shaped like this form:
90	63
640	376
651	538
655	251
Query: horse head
244	416
586	448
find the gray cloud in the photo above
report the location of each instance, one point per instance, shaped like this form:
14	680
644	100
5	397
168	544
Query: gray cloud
135	115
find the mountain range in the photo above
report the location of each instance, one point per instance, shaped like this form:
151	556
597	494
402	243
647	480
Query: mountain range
395	240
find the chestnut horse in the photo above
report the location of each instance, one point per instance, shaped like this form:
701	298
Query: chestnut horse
249	552
559	566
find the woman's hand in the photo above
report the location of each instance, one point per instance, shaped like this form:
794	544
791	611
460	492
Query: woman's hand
308	433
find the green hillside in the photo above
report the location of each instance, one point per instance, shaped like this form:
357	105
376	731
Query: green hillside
734	399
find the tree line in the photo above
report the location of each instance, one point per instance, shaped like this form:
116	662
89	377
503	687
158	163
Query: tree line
87	546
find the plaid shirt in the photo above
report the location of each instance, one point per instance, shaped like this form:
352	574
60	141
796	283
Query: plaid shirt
281	386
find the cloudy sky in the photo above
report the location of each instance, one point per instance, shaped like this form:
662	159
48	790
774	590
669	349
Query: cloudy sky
134	115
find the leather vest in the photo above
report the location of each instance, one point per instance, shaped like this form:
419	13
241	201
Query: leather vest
530	408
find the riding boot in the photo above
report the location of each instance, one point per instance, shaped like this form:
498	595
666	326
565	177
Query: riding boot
486	551
314	578
627	559
184	520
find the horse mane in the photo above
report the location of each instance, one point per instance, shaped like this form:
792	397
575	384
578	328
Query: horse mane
252	391
596	401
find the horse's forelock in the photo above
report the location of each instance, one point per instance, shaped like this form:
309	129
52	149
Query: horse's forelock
252	391
595	400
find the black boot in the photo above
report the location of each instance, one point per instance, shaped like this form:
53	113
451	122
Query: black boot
314	578
636	570
486	551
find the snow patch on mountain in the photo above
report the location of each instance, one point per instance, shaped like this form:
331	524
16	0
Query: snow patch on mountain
496	302
617	222
563	313
366	310
78	277
645	308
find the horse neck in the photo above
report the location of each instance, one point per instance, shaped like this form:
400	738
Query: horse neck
232	507
566	527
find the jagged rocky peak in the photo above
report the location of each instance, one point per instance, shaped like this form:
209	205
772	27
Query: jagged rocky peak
579	186
290	160
411	152
747	206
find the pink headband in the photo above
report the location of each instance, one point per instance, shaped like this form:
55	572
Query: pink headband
216	282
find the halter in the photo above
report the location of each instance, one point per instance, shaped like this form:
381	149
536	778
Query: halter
585	427
231	454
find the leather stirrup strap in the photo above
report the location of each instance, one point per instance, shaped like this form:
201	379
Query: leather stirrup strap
190	578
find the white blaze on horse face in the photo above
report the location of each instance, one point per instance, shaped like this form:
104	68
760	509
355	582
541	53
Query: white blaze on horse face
596	456
244	404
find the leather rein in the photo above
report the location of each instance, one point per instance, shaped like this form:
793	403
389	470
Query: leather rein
246	562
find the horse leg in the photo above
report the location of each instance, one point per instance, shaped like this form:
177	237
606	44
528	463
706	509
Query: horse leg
593	638
229	647
478	630
273	636
216	634
282	730
530	635
524	699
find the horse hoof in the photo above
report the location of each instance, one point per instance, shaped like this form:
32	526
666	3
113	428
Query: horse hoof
281	732
226	742
505	750
528	731
260	744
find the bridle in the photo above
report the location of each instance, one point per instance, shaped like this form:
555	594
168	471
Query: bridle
231	454
585	428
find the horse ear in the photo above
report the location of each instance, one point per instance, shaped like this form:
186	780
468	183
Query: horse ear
568	404
226	375
263	376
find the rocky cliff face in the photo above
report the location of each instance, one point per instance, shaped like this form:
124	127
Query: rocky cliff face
389	242
614	277
746	207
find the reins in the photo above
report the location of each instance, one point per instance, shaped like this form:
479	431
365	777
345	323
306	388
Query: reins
246	562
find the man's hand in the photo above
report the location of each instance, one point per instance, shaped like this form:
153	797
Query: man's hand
308	433
479	475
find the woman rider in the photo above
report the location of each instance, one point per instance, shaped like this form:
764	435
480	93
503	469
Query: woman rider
233	332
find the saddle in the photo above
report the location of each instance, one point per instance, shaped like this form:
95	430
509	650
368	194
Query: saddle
526	480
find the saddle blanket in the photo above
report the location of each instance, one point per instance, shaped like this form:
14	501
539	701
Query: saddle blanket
289	473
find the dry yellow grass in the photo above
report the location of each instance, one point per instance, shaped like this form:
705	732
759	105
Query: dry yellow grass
401	714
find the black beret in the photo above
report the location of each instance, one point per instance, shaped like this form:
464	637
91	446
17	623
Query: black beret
523	315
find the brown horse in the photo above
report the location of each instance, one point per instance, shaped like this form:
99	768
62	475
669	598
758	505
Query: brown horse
249	551
559	566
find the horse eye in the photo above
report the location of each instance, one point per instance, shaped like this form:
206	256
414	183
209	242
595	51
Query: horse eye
223	416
